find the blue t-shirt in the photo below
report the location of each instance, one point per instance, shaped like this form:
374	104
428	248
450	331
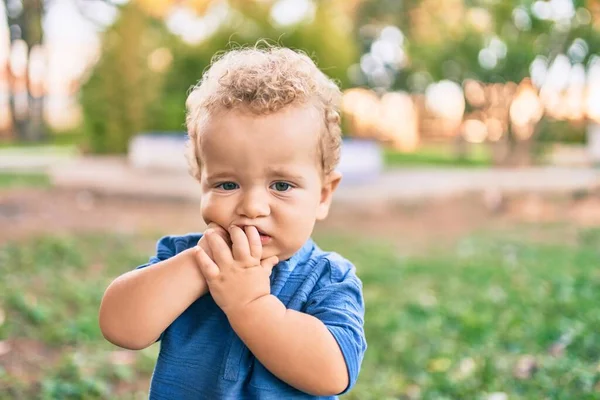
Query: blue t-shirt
201	357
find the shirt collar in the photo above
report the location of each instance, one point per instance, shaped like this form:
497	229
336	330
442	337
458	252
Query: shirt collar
298	257
283	269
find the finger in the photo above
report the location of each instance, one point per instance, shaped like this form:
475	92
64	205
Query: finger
208	251
269	263
254	241
221	254
209	269
239	247
203	243
204	235
218	229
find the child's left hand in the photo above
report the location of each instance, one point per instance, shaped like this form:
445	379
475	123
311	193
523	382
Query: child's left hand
237	276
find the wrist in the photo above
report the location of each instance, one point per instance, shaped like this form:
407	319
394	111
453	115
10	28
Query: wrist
255	312
191	264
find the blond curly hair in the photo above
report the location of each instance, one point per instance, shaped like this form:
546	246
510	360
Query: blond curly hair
264	81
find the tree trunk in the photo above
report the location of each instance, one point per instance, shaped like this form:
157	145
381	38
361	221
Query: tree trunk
31	128
522	153
500	151
32	9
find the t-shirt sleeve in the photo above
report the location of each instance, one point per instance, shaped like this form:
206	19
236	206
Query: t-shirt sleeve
340	306
169	246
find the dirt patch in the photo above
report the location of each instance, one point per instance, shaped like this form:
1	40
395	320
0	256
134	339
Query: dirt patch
30	212
25	359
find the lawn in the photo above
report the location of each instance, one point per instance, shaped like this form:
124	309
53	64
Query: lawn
494	314
12	180
441	155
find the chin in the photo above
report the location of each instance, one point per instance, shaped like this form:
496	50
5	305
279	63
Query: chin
272	252
282	254
284	257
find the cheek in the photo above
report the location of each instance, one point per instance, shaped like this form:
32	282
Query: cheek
214	210
302	209
310	201
205	211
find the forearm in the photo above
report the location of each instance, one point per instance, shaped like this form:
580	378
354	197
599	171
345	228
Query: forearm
296	347
139	305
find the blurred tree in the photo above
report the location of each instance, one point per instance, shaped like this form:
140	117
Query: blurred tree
129	92
487	41
329	45
444	38
118	92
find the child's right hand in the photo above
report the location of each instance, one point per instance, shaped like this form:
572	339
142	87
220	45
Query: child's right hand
219	230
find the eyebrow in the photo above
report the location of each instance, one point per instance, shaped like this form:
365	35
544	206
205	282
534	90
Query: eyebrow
286	173
220	175
280	172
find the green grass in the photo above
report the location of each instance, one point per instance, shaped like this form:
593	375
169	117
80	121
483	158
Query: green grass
12	180
50	292
66	140
453	324
439	156
449	324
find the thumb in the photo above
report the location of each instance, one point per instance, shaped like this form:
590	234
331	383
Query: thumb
269	263
209	269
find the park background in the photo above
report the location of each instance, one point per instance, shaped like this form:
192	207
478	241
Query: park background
470	204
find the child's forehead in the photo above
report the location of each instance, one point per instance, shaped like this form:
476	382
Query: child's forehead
289	138
263	156
272	151
291	123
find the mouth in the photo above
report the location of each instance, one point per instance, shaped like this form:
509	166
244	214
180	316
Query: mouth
264	238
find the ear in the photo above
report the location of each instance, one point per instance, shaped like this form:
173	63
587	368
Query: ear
330	183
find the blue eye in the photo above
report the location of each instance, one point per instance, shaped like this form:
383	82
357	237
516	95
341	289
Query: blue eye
281	186
227	186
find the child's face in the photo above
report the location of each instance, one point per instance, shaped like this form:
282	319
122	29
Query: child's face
264	171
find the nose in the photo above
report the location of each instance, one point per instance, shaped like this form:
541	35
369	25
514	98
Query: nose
254	203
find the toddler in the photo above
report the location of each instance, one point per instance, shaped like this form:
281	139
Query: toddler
252	308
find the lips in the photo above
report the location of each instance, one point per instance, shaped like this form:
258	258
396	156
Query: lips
264	237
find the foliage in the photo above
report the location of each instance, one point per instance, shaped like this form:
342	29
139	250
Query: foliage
123	97
444	38
551	131
487	41
116	97
447	323
456	324
50	294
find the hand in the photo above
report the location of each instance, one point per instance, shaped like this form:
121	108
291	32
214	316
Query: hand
237	276
219	230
